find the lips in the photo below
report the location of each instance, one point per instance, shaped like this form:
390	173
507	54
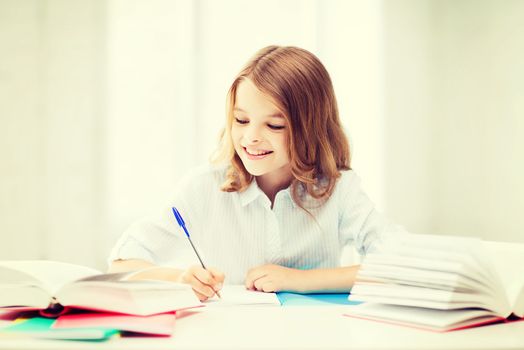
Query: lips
256	154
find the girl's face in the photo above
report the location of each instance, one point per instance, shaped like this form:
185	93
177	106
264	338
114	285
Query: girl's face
259	132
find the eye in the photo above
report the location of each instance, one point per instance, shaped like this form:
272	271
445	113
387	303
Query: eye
276	127
241	121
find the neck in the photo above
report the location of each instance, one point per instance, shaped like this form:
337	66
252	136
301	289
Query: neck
274	182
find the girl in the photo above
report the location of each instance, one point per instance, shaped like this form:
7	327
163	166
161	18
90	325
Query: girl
280	201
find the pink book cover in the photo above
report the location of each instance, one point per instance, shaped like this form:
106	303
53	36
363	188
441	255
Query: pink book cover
58	311
472	323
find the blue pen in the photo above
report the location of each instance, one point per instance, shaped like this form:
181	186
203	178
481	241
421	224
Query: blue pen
182	224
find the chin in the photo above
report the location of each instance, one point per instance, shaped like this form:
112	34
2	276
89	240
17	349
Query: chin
254	171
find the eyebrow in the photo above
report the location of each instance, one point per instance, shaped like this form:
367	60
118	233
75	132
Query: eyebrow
275	115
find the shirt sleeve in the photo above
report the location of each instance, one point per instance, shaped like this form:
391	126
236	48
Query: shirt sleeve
155	239
158	238
360	223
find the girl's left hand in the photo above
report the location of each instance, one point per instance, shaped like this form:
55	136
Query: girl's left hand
273	278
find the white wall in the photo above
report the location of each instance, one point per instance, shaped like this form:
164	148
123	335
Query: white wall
52	95
454	141
104	105
408	45
478	118
351	45
150	128
21	137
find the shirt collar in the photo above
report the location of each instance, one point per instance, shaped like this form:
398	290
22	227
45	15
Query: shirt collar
253	192
287	193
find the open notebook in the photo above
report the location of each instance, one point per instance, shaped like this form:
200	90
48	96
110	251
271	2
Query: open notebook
239	295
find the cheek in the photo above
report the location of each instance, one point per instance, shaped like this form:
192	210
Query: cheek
235	135
285	148
283	142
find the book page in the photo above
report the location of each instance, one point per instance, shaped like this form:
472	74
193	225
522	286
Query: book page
433	270
416	273
419	317
507	259
239	295
421	297
108	277
441	253
10	276
50	275
143	297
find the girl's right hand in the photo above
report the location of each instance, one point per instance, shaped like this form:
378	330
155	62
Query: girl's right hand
205	282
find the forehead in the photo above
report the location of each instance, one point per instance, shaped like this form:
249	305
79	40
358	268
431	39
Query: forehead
251	100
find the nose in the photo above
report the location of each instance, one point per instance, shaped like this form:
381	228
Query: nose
252	134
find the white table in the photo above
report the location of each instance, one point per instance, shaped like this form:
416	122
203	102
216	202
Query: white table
293	327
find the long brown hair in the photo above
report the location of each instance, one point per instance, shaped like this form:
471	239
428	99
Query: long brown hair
301	89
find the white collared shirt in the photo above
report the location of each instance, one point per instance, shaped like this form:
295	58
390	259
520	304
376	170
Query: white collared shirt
234	231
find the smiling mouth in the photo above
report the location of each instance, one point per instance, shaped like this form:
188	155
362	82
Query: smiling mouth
258	153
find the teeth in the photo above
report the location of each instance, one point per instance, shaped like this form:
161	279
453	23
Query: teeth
257	153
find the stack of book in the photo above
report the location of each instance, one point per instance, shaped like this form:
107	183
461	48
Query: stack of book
440	283
57	300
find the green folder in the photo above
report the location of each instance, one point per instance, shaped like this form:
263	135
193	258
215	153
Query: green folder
41	327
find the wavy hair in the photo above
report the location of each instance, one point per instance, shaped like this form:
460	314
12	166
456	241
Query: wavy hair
301	89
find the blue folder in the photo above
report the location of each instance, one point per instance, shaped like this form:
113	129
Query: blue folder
290	299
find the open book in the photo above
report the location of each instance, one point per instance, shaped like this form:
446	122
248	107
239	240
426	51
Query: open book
52	286
440	283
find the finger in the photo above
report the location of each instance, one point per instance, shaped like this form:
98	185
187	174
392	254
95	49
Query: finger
251	281
264	284
219	278
188	275
269	287
200	296
204	276
198	286
253	275
202	288
218	275
207	280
